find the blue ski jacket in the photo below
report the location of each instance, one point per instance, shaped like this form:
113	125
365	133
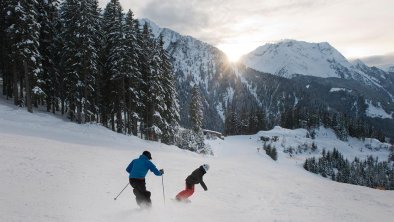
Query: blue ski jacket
138	168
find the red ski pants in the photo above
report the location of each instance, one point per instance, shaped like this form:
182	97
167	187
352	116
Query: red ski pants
189	190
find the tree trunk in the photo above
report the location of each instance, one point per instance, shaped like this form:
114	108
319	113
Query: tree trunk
48	103
121	106
119	120
15	84
28	90
53	104
79	111
104	118
4	82
9	86
21	94
134	126
113	121
86	96
62	108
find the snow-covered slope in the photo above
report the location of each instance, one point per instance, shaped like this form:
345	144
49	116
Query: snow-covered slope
324	139
54	170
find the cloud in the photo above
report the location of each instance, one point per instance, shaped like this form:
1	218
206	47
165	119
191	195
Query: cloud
379	60
215	20
179	15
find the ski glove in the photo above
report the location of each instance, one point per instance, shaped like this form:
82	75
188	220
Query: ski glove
161	171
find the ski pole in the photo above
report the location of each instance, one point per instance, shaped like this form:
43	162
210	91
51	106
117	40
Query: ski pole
121	191
162	184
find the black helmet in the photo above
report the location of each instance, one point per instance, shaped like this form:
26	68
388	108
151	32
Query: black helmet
147	154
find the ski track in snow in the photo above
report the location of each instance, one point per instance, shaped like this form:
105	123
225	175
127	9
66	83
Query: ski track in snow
54	170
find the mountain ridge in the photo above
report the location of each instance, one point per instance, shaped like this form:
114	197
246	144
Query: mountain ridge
234	87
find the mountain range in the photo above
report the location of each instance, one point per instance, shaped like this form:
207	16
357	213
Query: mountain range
276	77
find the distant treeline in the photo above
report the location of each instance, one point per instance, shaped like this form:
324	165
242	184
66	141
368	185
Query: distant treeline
250	121
369	172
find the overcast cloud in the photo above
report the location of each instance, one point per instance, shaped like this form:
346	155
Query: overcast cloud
357	28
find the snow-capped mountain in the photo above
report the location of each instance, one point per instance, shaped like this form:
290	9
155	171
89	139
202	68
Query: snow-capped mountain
290	57
388	68
190	56
326	79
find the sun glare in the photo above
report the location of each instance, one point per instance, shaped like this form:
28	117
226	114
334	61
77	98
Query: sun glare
233	52
236	49
233	56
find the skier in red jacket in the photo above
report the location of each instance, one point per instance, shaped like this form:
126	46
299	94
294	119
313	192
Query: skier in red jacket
191	180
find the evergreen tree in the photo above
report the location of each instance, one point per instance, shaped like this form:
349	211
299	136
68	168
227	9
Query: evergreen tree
146	42
115	63
133	75
24	33
340	126
157	92
391	155
49	19
196	115
81	63
170	113
196	112
4	48
271	151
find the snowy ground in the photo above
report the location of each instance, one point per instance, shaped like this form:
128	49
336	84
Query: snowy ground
53	170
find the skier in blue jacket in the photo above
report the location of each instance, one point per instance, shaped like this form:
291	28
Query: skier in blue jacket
137	169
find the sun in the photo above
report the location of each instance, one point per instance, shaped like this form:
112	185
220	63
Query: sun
233	55
233	51
236	49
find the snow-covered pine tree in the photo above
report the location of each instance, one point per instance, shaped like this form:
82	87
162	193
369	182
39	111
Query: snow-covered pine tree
141	86
340	126
196	115
49	19
115	63
391	155
149	68
81	57
231	122
156	92
196	112
23	32
4	47
133	75
98	40
70	15
9	69
171	107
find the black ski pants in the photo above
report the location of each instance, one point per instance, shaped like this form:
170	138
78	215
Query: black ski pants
142	196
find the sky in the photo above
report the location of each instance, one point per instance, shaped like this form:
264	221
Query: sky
357	28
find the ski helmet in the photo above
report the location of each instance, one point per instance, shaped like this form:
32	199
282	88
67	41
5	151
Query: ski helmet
206	167
147	154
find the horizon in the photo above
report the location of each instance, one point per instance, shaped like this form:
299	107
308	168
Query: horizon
358	29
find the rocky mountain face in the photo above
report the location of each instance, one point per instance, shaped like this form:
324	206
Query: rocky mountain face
196	62
288	58
275	78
